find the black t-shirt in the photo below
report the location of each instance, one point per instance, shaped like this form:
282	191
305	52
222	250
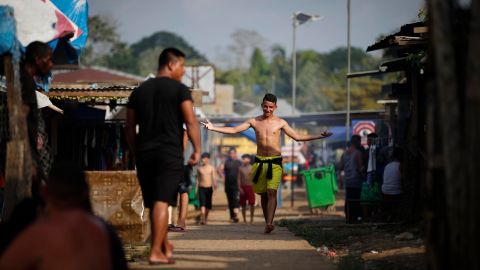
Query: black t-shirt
156	103
231	168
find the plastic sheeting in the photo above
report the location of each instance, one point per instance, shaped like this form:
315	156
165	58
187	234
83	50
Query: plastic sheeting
7	32
47	21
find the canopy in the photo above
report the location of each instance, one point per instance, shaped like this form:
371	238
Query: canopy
61	24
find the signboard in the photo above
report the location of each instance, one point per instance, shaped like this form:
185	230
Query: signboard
201	78
363	128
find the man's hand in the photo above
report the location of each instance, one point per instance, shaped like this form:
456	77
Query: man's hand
208	125
326	133
194	159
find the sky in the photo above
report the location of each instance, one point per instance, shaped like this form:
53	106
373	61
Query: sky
208	24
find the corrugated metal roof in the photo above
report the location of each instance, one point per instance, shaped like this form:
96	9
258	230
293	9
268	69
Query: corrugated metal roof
94	74
406	36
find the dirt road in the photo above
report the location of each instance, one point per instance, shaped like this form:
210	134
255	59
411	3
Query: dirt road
223	245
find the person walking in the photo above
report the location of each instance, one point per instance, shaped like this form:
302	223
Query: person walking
267	169
245	186
205	185
160	106
231	166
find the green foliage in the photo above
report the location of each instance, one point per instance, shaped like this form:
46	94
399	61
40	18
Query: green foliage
147	50
320	77
104	48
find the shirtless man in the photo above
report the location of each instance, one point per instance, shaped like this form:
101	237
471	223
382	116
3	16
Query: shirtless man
245	186
266	179
206	183
69	237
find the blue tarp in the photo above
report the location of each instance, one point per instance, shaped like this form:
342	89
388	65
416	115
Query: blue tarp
7	32
54	22
249	133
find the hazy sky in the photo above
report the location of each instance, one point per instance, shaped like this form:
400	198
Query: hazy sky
208	24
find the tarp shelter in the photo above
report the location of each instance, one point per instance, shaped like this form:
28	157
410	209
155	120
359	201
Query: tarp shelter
61	24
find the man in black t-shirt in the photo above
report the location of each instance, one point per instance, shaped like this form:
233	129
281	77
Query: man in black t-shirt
231	167
159	107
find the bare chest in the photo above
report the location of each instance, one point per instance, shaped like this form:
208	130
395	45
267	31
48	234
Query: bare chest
268	128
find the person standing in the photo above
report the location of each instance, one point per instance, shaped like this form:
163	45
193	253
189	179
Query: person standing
231	166
160	106
392	185
267	169
245	186
351	163
205	185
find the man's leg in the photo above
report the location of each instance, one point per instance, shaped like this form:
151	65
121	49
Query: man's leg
264	202
206	214
159	223
271	207
252	212
232	195
244	213
203	214
182	210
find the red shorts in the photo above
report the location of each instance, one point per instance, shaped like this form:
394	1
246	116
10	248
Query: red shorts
248	195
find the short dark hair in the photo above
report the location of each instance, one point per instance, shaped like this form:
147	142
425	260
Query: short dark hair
372	135
169	55
246	156
206	155
270	97
36	49
356	140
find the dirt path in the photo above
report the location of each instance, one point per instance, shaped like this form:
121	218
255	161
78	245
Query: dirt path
222	245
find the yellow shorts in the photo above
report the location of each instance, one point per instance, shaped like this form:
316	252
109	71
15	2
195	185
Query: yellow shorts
263	183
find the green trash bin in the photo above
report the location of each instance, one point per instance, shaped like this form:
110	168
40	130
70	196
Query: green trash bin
321	186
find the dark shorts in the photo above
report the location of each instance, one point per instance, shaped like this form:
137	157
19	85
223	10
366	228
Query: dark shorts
159	177
248	195
185	184
205	196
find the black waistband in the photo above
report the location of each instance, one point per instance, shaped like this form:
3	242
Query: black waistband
277	161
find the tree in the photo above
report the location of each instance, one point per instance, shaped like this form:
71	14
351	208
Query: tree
102	37
147	50
244	42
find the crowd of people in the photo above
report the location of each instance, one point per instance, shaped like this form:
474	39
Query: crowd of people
371	177
160	122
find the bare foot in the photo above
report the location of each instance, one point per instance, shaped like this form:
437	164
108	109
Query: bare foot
269	228
162	261
168	250
159	258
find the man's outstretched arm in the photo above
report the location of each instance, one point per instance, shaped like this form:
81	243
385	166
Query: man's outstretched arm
298	137
227	130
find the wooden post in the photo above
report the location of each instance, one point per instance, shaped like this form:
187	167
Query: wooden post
18	165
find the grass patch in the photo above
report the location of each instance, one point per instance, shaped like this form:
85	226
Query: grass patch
318	235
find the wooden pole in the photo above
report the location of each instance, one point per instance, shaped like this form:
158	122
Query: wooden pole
18	165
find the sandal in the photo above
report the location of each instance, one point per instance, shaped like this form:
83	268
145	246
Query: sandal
177	229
